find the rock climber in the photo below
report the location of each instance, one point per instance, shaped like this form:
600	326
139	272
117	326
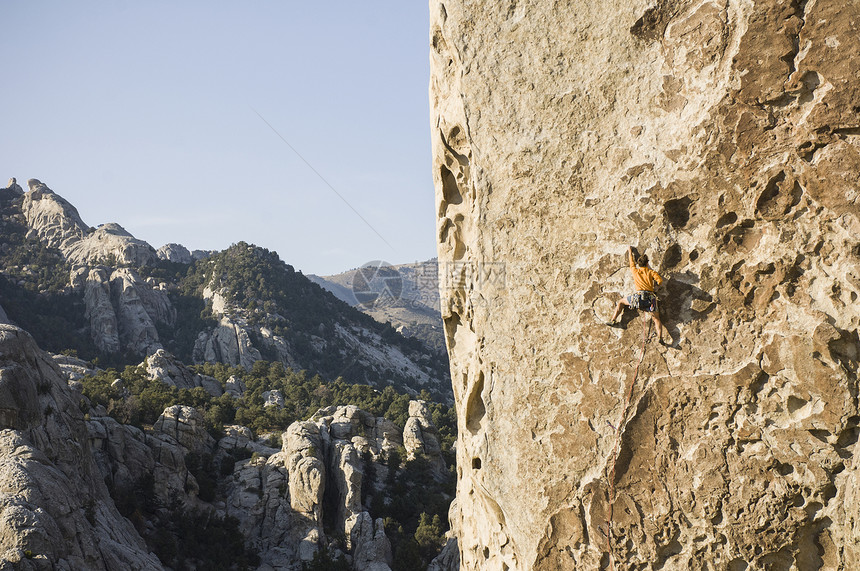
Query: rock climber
644	297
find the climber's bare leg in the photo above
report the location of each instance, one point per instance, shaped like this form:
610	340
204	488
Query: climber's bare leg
655	315
618	308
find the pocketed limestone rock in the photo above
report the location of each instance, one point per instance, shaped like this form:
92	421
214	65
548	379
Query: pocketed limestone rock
721	139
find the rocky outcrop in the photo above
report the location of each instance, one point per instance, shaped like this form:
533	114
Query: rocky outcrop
100	311
55	512
111	243
372	550
448	559
176	253
227	343
185	425
307	472
72	368
324	458
165	367
137	309
57	468
14	188
123	309
235	387
720	138
258	498
273	398
126	455
421	437
57	224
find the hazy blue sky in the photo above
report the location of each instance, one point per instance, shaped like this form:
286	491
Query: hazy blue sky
143	113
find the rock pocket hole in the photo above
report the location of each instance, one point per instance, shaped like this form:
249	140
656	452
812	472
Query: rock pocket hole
677	211
726	219
476	463
780	195
672	257
450	188
784	469
794	404
475	408
848	437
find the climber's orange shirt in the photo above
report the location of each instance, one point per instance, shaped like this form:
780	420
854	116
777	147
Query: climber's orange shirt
644	278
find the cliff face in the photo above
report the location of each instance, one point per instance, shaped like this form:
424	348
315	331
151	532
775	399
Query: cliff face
722	138
55	511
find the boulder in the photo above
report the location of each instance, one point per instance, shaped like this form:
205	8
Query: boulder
165	367
273	398
235	387
371	547
176	253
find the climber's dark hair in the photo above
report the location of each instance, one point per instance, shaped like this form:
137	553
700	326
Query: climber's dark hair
643	261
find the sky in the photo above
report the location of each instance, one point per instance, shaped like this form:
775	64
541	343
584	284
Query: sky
302	127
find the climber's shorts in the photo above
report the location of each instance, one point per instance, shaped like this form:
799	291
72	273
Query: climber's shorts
643	300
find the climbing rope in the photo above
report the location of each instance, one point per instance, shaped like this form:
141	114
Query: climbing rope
645	332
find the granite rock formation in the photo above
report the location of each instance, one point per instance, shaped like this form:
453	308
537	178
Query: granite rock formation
165	367
62	472
421	438
176	253
722	138
324	458
57	223
122	307
55	511
13	188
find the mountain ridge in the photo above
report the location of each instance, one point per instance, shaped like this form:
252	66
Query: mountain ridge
136	301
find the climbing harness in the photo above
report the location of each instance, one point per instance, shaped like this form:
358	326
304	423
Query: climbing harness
618	428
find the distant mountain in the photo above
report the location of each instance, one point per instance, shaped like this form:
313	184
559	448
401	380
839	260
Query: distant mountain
406	295
106	295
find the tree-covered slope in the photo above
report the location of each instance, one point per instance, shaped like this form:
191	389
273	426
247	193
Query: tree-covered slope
108	301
